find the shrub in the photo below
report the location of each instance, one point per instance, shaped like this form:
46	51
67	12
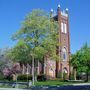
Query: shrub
41	77
59	75
72	77
1	77
9	78
64	76
23	77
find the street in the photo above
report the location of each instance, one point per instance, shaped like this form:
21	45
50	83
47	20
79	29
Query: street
69	87
84	87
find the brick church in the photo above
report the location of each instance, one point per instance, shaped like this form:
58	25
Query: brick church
56	68
53	68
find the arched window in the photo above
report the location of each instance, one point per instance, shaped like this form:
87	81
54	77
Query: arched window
64	54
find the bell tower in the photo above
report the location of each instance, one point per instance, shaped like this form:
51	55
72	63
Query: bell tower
62	66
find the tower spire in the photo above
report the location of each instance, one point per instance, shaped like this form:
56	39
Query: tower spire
51	10
58	9
51	13
58	5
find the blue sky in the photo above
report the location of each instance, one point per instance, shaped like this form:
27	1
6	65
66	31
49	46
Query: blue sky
13	12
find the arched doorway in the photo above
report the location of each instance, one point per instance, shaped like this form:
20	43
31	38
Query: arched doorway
65	73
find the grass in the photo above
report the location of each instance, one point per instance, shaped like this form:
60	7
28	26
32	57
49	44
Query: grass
43	83
8	86
52	83
5	86
57	82
40	83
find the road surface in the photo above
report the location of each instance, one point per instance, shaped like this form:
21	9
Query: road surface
69	87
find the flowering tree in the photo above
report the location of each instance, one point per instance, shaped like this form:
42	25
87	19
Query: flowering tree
16	68
5	62
12	73
6	72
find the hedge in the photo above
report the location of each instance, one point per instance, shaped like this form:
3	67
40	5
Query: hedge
23	77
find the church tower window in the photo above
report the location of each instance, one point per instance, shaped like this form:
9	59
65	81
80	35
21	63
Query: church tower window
63	27
64	54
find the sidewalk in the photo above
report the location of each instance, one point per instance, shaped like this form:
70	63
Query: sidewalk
12	89
81	84
56	86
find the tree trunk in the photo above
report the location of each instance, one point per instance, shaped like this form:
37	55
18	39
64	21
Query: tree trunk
14	77
33	69
87	76
75	73
23	69
44	63
38	72
27	72
35	74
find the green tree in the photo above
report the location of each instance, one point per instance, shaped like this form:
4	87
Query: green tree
85	51
75	62
39	32
81	61
20	53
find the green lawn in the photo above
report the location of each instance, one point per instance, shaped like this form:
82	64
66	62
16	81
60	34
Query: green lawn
8	86
5	86
44	83
51	83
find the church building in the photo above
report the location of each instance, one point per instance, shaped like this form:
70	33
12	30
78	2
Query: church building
60	68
